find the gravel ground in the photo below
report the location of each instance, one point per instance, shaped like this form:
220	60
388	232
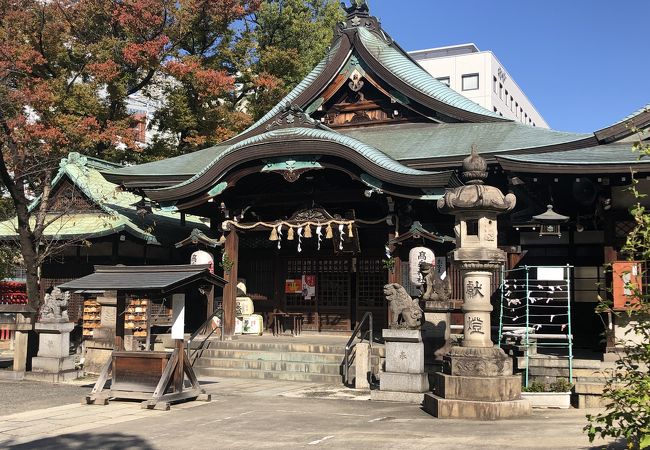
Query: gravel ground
19	396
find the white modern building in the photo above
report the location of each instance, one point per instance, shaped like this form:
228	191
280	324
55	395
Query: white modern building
479	76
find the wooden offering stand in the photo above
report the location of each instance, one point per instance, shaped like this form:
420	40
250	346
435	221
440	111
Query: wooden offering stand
158	378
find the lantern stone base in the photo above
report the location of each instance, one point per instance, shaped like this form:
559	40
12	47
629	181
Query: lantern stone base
477	362
489	389
443	408
477	383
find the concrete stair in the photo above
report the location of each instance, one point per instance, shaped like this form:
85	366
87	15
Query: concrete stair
548	368
285	360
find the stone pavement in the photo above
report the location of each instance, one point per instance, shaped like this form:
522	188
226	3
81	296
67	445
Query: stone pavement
275	414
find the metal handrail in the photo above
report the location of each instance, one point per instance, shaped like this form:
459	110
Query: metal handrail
217	313
348	346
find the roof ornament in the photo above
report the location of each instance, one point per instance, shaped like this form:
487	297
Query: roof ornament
292	116
75	158
358	15
357	7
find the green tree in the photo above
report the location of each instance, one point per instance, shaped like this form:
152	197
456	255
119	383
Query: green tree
226	74
291	37
67	68
627	391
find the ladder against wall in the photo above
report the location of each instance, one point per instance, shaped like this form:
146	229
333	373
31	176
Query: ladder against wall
535	311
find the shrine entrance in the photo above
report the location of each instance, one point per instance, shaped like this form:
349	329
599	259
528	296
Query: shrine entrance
345	286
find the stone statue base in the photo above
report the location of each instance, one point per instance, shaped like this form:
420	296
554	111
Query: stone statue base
477	383
53	362
436	333
404	378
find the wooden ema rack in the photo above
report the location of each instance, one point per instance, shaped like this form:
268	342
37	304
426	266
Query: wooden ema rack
157	378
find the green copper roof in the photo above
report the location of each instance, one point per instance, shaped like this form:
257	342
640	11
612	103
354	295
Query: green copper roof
300	88
424	140
414	75
621	154
398	142
184	165
370	153
115	211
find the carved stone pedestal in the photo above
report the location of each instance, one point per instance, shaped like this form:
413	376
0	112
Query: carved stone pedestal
477	383
53	362
404	379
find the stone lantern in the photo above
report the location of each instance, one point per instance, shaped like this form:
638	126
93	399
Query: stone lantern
477	380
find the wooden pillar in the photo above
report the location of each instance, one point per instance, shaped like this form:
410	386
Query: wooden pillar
209	298
178	335
178	370
119	320
231	249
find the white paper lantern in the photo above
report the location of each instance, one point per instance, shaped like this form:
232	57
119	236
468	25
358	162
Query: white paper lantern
416	256
201	257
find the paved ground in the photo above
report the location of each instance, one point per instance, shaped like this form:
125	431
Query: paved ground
29	395
268	414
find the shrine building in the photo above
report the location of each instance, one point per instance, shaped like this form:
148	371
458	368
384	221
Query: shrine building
324	186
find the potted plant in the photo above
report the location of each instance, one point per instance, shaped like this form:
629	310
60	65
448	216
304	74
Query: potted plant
552	395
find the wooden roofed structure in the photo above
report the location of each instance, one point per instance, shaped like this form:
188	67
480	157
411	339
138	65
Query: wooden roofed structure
369	131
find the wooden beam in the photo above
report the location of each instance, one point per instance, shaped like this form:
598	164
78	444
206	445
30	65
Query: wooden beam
178	370
119	320
231	249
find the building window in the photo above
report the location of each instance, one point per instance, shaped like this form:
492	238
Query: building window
470	82
444	80
516	109
494	84
511	102
500	91
507	98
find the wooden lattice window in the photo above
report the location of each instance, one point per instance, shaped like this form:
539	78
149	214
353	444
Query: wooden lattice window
332	281
371	277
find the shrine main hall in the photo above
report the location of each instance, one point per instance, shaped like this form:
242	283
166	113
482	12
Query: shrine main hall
318	204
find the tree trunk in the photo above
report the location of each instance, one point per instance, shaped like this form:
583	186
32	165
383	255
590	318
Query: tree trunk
31	262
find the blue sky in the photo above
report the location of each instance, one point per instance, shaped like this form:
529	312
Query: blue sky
583	63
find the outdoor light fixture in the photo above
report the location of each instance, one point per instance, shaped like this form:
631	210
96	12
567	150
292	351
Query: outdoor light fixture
549	222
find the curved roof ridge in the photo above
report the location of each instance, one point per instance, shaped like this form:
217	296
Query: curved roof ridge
625	127
296	91
369	153
410	72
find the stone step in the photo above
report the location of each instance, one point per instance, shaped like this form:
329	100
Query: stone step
559	363
284	347
302	357
564	372
288	366
269	375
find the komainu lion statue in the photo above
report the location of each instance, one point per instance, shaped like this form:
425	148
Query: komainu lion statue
53	306
433	287
406	312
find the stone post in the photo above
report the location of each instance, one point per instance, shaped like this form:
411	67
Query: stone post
53	361
477	380
404	378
